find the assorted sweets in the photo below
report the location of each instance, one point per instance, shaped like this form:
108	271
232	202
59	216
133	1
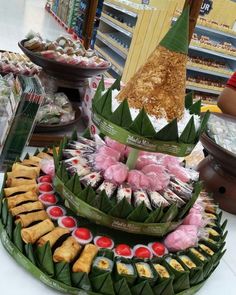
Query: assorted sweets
157	180
65	50
17	63
206	42
103	263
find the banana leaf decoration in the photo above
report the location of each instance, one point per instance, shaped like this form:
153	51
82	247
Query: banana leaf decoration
119	124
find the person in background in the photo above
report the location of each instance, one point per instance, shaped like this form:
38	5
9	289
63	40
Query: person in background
227	99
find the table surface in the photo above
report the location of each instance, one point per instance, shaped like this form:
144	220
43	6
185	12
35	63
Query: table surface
16	280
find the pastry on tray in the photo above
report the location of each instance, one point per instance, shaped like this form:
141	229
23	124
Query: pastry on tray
65	50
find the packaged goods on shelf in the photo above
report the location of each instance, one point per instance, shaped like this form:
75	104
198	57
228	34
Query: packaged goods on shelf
17	63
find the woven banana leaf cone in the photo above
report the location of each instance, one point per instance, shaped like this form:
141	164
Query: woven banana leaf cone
159	85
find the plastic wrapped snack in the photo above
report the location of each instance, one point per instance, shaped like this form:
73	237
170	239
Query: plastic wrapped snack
56	109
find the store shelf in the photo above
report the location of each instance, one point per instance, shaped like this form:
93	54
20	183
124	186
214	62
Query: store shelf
111	23
203	89
112	44
207	102
121	9
212	30
209	72
61	23
118	23
211	52
105	53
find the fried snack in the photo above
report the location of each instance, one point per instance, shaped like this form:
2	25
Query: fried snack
28	207
83	264
22	174
30	163
67	251
159	85
43	155
35	159
18	199
12	182
33	233
19	189
53	236
28	218
19	166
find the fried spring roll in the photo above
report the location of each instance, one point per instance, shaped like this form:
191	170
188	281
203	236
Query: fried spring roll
43	155
35	159
18	199
33	233
12	182
28	207
30	163
20	189
22	173
67	251
19	166
53	236
28	218
83	264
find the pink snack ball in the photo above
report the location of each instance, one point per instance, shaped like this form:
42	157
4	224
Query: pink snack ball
167	160
138	180
184	237
179	172
194	218
116	173
144	160
154	181
157	175
115	145
109	152
48	167
103	162
158	169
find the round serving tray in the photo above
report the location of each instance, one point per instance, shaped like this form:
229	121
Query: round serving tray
41	128
225	158
21	259
83	209
61	70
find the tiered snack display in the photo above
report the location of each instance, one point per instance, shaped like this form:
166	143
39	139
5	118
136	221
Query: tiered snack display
73	255
132	199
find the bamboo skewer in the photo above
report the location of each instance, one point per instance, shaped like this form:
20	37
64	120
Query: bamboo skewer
195	6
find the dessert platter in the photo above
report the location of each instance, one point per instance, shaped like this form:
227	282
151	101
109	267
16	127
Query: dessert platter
63	58
76	256
119	213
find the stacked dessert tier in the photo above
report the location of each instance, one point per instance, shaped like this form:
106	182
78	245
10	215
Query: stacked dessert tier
73	255
120	218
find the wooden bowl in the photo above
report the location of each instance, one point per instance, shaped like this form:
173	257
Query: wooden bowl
225	158
60	70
